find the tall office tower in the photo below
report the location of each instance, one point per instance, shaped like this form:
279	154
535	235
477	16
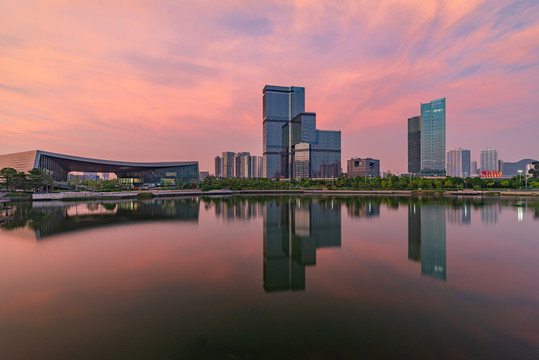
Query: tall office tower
433	138
489	160
280	105
363	167
414	145
228	164
458	163
474	170
500	165
311	153
320	159
218	166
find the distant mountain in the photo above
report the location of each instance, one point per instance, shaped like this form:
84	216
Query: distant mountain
511	168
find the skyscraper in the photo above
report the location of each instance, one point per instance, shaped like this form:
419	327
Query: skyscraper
243	165
280	105
291	140
489	160
458	163
414	145
312	153
256	166
218	166
433	138
228	164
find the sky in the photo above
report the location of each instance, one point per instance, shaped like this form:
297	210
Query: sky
182	80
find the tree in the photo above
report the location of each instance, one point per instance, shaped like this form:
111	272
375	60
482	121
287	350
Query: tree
35	179
534	172
8	176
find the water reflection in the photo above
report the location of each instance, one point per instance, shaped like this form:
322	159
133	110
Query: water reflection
234	208
48	219
460	214
367	209
293	231
206	296
426	238
489	214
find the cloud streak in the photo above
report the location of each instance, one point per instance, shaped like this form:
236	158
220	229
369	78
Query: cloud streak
183	81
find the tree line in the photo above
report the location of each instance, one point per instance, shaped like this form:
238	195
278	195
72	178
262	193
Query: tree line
35	179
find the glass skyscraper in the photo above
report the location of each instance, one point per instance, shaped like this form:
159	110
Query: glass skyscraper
414	145
433	138
280	105
293	148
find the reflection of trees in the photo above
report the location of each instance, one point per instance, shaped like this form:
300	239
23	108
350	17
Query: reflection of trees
46	221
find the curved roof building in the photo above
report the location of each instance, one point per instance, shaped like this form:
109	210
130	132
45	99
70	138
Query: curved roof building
59	165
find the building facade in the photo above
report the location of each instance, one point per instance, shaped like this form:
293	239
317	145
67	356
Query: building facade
243	165
228	159
474	170
363	167
433	138
414	145
256	166
304	152
129	173
458	163
279	105
489	160
218	167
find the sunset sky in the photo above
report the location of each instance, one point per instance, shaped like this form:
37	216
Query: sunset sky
182	80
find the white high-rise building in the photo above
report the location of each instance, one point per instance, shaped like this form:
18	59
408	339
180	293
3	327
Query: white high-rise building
458	163
256	166
489	160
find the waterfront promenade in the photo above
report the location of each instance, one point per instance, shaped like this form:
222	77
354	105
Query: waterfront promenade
77	195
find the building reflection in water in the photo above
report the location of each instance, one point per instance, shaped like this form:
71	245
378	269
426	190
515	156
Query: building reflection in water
489	214
234	208
293	231
460	215
364	209
48	219
427	238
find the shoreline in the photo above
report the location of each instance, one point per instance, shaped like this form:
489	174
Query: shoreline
89	195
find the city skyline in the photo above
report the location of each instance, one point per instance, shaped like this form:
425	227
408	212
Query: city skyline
155	81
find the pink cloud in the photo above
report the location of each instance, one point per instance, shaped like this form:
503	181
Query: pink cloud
183	81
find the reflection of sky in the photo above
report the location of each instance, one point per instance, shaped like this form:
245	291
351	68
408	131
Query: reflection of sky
168	288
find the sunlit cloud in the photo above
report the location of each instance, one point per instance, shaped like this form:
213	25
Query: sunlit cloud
183	80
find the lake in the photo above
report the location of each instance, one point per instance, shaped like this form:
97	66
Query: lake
271	277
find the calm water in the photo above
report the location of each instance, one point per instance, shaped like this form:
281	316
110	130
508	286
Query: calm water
271	278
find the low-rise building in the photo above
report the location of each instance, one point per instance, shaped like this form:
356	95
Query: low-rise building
363	167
